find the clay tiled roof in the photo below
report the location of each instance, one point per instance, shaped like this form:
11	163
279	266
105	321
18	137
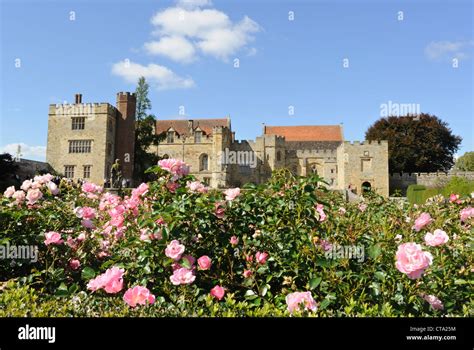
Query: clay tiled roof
307	133
181	126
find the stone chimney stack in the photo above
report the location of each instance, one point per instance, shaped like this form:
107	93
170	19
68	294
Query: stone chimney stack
78	98
125	133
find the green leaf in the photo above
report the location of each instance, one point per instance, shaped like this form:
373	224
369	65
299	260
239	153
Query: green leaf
460	281
250	295
62	290
375	251
324	304
87	273
73	288
185	263
314	282
380	275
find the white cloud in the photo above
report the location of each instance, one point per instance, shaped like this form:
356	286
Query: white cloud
161	77
183	32
448	49
27	151
176	48
210	31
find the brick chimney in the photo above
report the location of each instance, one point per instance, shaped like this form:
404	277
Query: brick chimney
78	98
125	133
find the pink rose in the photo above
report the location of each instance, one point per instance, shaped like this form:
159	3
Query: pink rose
219	210
322	214
196	187
261	257
362	207
454	198
87	224
111	281
53	188
438	237
52	238
33	195
25	186
116	211
117	221
182	276
140	190
88	213
74	264
89	187
423	220
234	240
218	292
231	193
172	186
81	237
138	295
247	273
204	262
412	260
9	191
19	197
174	166
434	302
295	300
466	214
174	250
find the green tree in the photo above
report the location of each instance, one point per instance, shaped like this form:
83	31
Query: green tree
8	168
143	102
421	143
466	162
145	136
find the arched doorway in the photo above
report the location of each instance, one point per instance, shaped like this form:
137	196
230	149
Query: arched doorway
366	187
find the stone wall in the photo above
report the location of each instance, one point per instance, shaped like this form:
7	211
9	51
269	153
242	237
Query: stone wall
362	164
96	128
401	181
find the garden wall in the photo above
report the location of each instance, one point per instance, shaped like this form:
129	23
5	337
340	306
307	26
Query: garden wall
401	181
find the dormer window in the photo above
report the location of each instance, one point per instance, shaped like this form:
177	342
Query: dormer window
170	137
197	136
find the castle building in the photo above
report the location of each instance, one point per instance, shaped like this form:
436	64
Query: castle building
84	139
85	145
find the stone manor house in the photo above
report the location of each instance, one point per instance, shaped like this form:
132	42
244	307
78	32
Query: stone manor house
84	139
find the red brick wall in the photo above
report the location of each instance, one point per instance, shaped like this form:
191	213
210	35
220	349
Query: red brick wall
125	132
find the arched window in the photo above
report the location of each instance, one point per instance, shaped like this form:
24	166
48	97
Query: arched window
203	162
366	187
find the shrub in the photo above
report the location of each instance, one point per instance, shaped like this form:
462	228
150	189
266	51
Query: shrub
181	240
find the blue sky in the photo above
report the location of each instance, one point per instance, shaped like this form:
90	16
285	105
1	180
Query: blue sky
187	48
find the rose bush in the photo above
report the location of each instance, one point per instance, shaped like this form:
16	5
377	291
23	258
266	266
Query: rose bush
175	247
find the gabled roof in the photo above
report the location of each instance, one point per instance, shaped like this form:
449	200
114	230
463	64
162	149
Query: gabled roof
182	126
307	132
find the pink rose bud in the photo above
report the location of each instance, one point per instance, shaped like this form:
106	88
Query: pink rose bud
218	292
204	262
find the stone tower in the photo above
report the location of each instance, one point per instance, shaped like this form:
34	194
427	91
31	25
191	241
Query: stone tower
125	132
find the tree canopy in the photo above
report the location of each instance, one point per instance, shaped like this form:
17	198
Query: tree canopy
421	143
145	136
465	162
